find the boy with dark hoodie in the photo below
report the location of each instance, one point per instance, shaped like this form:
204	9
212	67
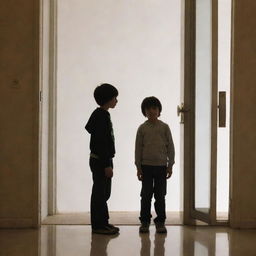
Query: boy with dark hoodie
102	146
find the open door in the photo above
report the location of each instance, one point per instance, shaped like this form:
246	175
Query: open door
199	111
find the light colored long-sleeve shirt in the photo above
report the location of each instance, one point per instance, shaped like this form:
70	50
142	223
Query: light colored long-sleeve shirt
154	145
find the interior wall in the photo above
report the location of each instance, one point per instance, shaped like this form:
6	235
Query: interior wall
243	121
136	46
19	112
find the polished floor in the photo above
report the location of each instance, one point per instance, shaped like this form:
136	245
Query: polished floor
77	240
123	218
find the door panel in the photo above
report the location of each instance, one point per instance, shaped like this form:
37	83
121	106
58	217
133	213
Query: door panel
200	122
203	94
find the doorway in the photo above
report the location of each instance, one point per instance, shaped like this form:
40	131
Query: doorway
135	46
128	45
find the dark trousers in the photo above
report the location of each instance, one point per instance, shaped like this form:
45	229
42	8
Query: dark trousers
153	183
101	191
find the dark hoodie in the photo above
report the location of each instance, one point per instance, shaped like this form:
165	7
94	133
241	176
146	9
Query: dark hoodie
102	138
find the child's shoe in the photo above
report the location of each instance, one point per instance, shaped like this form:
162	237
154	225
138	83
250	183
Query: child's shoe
110	226
104	231
144	228
160	227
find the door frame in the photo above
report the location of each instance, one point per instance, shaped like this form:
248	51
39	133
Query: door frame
52	154
52	6
48	111
188	147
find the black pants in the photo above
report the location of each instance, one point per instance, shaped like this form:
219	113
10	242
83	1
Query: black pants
153	183
101	191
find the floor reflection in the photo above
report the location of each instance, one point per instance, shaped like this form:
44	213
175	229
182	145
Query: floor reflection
159	244
78	240
99	244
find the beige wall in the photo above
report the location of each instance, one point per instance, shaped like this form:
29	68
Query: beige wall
243	115
19	86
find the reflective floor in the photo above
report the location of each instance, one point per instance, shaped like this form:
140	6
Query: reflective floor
78	241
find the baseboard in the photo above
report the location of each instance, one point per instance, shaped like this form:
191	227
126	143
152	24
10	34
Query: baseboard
17	223
116	217
244	224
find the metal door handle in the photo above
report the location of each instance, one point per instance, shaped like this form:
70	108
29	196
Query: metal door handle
180	112
181	109
222	109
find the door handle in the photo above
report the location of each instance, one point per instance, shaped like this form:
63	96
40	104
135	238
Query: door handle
222	109
181	111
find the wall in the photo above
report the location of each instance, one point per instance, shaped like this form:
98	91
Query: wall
19	186
243	121
136	46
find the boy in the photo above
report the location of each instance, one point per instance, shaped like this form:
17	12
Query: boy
154	158
102	148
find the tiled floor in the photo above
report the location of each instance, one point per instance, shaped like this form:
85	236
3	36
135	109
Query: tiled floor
77	240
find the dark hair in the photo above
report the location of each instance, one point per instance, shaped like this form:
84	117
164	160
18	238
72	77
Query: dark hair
150	102
104	93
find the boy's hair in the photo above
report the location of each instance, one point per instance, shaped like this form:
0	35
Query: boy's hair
150	102
104	93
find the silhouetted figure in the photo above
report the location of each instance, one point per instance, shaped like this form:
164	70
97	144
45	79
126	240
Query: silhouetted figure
102	146
154	158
